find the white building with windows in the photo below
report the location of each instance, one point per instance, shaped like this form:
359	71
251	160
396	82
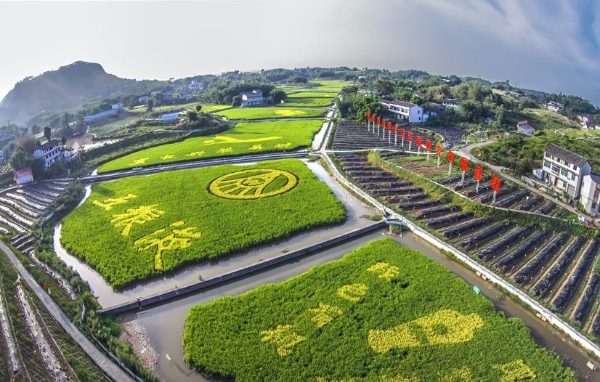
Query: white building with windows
524	128
590	194
450	102
405	111
564	170
170	118
253	98
50	151
196	86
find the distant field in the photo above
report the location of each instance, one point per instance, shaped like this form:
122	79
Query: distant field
270	112
143	226
190	106
312	94
330	85
306	102
547	119
382	313
244	138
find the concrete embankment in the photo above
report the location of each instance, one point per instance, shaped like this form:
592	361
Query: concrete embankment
229	276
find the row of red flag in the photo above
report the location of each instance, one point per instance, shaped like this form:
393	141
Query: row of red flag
464	163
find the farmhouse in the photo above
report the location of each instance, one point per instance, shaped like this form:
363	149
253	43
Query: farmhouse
51	152
564	170
255	97
450	102
554	106
196	86
100	116
524	128
170	118
590	194
405	111
143	99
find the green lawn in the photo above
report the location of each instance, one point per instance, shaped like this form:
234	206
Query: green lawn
244	138
309	94
306	102
270	112
135	228
382	313
330	85
546	119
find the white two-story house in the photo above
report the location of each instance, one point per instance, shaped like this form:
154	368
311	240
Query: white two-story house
564	170
405	111
50	151
590	194
253	98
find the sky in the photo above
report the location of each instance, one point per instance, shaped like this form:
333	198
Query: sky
548	45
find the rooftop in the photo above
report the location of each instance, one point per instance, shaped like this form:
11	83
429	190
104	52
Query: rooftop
566	155
398	103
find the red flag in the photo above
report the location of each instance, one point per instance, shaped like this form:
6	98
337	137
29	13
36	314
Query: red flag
402	132
373	118
450	157
396	129
438	149
389	126
419	141
410	136
464	164
369	115
378	120
478	174
495	183
428	145
383	123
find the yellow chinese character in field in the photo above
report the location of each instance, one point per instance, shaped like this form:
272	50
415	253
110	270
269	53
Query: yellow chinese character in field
515	371
283	145
352	292
168	156
225	150
109	203
177	239
140	161
195	154
135	216
324	314
385	270
256	147
284	337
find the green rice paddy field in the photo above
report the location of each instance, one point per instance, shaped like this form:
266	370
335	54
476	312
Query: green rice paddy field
244	138
143	226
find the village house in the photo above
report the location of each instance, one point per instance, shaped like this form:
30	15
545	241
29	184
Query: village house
170	118
51	152
196	86
143	99
554	106
584	120
524	128
405	111
253	98
450	102
590	194
564	170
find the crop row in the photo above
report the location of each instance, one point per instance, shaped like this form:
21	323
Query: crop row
526	272
496	248
575	278
510	260
558	267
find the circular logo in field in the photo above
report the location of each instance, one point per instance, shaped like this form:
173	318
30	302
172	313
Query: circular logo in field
253	184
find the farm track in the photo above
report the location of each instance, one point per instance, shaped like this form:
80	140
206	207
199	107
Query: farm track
525	249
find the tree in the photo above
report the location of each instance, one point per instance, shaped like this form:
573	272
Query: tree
63	140
278	95
27	143
198	108
385	86
35	129
192	116
47	133
236	101
18	160
150	105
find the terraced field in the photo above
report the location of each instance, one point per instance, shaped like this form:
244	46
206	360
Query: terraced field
555	268
350	136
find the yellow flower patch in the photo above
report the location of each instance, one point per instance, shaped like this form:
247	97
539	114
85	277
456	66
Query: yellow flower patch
458	375
140	161
283	145
352	292
515	371
168	156
195	154
225	150
284	337
324	314
140	215
252	184
108	204
256	147
443	327
385	270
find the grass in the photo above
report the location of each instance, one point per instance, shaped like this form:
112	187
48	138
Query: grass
309	94
270	112
244	138
306	102
382	313
330	85
141	227
546	119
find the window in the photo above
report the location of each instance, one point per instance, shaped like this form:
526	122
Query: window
575	167
555	168
564	172
546	164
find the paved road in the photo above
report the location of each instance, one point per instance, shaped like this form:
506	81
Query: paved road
111	369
